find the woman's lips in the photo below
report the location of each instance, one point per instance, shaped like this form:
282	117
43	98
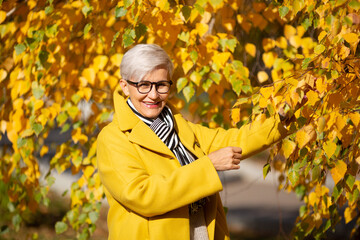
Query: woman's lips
152	105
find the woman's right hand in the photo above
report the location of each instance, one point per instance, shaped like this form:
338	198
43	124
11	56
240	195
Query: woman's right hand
227	158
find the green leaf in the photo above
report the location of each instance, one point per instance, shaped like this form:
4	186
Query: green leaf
128	37
266	169
117	34
120	12
181	83
188	92
127	3
350	180
216	77
305	63
86	10
37	127
32	43
236	84
87	28
104	116
283	10
21	142
51	30
140	30
319	49
306	23
300	191
37	90
65	127
338	189
43	57
315	173
199	9
184	36
207	84
49	9
186	11
93	216
354	4
50	180
293	176
194	57
19	48
60	227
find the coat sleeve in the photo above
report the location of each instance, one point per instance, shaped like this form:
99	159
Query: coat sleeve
252	138
126	178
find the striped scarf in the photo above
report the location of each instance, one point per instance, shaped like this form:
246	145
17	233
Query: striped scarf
163	126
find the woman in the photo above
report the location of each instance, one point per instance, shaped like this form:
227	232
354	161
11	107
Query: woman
159	171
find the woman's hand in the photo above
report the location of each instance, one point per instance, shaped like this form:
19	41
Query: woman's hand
226	158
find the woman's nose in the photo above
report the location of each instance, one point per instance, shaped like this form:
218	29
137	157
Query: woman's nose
153	93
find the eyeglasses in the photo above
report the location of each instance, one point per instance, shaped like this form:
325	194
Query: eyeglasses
144	87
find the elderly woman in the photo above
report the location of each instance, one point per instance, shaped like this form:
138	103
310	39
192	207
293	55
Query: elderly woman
159	170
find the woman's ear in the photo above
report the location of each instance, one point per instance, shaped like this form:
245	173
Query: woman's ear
124	87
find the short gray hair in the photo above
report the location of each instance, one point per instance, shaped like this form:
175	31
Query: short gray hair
142	59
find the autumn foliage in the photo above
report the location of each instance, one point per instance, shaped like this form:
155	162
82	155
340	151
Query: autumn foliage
234	61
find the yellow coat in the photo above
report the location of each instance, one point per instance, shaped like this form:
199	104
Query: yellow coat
147	189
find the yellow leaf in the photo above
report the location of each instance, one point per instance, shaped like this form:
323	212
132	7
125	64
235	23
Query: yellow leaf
31	4
3	75
289	31
313	97
300	30
100	62
287	148
202	28
338	171
358	160
250	49
322	35
87	93
344	52
77	136
313	199
321	86
116	59
305	135
89	170
89	75
340	123
329	148
2	16
44	150
351	37
349	214
268	44
266	92
102	75
355	118
321	190
235	115
196	78
269	59
112	81
321	124
262	76
38	104
281	42
221	58
295	41
187	65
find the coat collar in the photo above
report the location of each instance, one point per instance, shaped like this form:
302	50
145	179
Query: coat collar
139	132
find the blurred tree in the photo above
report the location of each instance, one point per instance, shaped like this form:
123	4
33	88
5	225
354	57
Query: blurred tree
234	61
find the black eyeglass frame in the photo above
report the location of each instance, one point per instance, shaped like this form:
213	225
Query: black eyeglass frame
152	83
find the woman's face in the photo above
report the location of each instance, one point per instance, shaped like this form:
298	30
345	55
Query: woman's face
152	103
